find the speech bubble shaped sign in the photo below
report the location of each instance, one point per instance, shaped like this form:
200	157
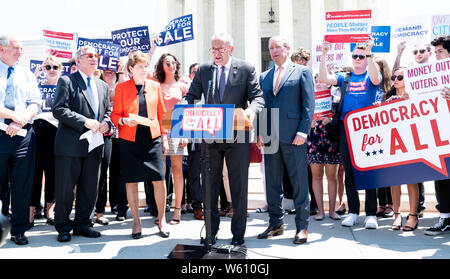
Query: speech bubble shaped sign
400	133
203	119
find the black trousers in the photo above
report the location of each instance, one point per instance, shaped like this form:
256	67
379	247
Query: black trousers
16	166
194	185
288	191
117	188
237	157
384	196
84	172
44	162
443	188
102	195
350	184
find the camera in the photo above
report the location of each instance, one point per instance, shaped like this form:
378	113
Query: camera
5	227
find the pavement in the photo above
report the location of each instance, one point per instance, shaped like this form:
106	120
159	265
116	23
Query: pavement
327	240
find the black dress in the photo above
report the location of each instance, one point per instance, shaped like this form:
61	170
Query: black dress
141	160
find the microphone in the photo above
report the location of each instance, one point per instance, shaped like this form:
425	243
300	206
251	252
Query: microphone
212	83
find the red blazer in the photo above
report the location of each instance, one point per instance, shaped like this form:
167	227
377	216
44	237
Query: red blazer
126	101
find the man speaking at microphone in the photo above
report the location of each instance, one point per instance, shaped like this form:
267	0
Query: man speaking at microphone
236	83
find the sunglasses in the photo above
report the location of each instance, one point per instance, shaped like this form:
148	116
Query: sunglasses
54	67
422	51
361	57
399	77
92	55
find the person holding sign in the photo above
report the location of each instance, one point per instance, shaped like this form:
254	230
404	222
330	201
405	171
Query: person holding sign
141	156
398	92
45	127
442	50
20	100
360	91
81	105
168	74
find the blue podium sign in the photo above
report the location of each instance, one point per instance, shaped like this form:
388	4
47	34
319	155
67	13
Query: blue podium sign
202	121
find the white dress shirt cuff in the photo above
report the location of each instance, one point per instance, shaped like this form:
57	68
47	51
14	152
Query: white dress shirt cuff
302	135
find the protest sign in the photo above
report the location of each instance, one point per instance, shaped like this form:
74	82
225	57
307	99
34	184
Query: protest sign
60	44
381	37
47	95
440	26
109	52
178	30
405	141
336	57
348	26
203	121
134	38
412	30
427	78
322	104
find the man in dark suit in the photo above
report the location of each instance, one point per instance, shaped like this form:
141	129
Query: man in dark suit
236	84
289	89
81	104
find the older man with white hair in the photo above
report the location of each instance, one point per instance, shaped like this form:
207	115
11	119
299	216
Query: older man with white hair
81	104
19	102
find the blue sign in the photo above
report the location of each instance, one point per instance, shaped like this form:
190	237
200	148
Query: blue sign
203	121
135	38
47	94
382	39
178	30
109	52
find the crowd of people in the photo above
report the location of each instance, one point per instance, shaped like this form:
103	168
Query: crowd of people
41	150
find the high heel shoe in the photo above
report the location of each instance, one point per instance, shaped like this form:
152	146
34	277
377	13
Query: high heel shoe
341	211
175	221
136	235
397	227
409	228
163	234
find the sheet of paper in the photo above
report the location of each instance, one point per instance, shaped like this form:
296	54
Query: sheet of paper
94	140
141	120
21	133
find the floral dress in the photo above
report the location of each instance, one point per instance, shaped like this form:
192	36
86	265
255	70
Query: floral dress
321	150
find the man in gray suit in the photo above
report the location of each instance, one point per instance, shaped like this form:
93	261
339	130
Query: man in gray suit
81	104
289	88
238	85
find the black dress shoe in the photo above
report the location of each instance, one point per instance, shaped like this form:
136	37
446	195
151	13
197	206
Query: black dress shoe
121	215
237	240
64	237
313	212
19	239
272	231
301	237
86	232
147	209
213	239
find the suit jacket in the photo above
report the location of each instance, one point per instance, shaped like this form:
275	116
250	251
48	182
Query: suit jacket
126	101
294	99
242	88
72	107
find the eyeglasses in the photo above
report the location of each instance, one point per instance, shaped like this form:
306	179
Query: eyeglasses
399	77
422	51
361	57
92	55
54	67
220	50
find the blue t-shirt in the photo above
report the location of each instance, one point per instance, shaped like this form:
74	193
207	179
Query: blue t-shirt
360	93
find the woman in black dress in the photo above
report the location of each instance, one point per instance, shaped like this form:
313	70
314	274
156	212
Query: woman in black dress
141	154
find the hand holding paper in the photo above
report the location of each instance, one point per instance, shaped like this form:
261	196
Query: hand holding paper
140	120
94	139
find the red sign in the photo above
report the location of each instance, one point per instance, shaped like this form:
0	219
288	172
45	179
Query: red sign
348	26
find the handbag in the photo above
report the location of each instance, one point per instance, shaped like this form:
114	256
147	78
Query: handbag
255	154
333	130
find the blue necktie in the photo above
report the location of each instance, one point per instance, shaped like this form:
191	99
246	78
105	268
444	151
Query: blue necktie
222	83
94	100
9	92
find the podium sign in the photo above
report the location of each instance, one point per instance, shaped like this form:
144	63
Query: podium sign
202	121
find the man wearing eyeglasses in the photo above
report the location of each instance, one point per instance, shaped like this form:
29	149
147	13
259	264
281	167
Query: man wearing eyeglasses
422	53
81	104
236	84
19	103
361	92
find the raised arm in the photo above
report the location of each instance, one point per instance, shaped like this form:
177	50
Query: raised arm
323	73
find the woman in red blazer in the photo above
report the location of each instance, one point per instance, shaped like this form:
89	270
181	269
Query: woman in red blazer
141	154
